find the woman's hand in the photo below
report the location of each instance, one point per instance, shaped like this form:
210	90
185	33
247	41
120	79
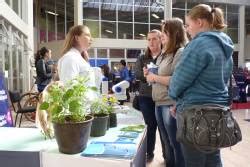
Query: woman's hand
145	71
150	77
173	111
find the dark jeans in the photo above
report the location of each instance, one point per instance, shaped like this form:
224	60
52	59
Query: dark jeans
40	88
171	127
166	146
195	158
147	107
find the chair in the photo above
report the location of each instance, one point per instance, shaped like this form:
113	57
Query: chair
22	107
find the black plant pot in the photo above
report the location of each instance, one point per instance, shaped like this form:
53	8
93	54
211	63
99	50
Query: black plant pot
112	120
72	138
108	124
99	125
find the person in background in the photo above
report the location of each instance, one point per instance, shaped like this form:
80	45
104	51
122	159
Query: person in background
173	40
108	76
43	70
74	61
124	74
146	103
203	73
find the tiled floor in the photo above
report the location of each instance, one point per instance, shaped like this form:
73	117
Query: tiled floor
237	156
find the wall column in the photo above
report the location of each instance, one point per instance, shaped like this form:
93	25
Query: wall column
168	9
78	12
242	35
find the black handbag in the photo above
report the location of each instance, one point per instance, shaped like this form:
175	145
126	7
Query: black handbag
208	127
136	104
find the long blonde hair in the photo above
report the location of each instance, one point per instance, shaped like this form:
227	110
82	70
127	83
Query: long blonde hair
70	37
214	16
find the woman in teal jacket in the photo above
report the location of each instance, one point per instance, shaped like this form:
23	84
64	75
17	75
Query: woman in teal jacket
203	72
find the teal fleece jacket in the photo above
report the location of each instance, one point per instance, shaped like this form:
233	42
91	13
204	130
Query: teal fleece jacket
203	72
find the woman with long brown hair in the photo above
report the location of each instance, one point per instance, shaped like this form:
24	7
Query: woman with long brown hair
173	40
74	61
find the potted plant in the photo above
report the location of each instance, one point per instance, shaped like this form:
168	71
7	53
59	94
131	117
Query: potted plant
66	106
99	109
111	101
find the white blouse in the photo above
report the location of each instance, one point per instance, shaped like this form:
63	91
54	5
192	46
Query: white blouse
72	64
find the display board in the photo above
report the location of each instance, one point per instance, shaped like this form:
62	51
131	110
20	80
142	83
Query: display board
5	113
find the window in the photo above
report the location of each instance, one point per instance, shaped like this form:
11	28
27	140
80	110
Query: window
117	53
108	30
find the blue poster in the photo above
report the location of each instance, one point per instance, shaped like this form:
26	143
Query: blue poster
5	113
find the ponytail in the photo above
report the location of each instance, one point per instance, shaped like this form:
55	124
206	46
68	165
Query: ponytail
218	19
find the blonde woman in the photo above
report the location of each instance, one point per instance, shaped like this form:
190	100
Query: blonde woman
74	61
203	73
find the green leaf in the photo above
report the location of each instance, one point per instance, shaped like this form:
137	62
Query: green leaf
68	94
93	88
44	106
74	106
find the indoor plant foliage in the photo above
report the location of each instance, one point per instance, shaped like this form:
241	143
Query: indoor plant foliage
111	101
66	107
67	103
99	109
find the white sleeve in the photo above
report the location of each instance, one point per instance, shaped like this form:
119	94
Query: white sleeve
68	69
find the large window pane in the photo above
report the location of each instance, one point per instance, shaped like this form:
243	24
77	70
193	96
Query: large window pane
156	15
90	10
232	8
141	31
60	28
233	33
125	30
70	14
102	53
91	53
108	12
108	30
190	5
232	20
179	13
116	53
180	5
141	14
93	26
51	27
125	13
141	3
155	26
15	6
133	53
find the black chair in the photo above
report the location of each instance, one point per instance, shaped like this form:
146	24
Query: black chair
22	106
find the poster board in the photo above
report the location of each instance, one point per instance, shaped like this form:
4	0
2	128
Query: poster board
5	113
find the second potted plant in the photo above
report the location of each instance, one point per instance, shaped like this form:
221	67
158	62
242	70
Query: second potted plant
99	109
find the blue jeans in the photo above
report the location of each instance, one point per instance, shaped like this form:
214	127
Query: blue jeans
171	127
40	87
168	149
147	107
195	158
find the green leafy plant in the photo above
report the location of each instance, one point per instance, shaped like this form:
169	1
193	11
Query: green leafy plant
99	108
67	103
111	101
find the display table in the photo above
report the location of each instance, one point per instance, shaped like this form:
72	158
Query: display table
26	147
